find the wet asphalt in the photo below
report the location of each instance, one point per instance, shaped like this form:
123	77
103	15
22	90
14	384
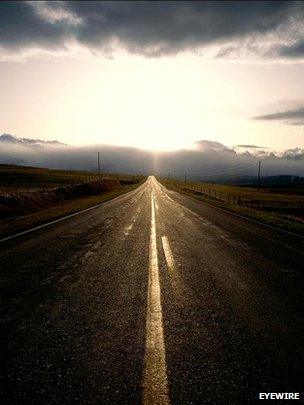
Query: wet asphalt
74	305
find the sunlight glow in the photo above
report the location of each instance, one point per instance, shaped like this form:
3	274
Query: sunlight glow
164	103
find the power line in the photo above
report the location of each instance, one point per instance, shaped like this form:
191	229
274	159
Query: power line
226	171
214	173
229	168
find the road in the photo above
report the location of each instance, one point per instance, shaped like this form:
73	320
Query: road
154	298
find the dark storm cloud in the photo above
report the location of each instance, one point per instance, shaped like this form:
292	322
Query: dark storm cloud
21	26
147	27
292	117
173	25
294	51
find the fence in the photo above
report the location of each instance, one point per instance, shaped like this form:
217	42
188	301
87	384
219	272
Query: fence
30	186
239	200
14	187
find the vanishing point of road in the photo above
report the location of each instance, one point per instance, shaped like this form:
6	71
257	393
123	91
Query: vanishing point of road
154	298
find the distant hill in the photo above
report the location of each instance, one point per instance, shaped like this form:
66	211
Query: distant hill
7	138
271	181
283	181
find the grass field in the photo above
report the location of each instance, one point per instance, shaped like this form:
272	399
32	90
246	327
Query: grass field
249	193
281	208
32	196
23	178
12	226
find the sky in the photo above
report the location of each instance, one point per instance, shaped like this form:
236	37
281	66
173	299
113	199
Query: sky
155	75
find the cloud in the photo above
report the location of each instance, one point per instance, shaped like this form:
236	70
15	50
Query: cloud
53	154
150	28
250	147
212	146
291	117
210	161
296	154
22	26
295	50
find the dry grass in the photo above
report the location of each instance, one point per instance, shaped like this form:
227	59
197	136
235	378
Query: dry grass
14	225
22	203
53	194
23	178
251	193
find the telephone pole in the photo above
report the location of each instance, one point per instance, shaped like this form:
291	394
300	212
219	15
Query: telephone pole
98	162
259	174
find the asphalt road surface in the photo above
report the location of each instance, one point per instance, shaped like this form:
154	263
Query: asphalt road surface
153	298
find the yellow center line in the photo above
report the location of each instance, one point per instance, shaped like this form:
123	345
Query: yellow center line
173	272
155	383
168	253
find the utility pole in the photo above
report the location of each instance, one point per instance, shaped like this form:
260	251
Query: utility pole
259	174
98	162
185	176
